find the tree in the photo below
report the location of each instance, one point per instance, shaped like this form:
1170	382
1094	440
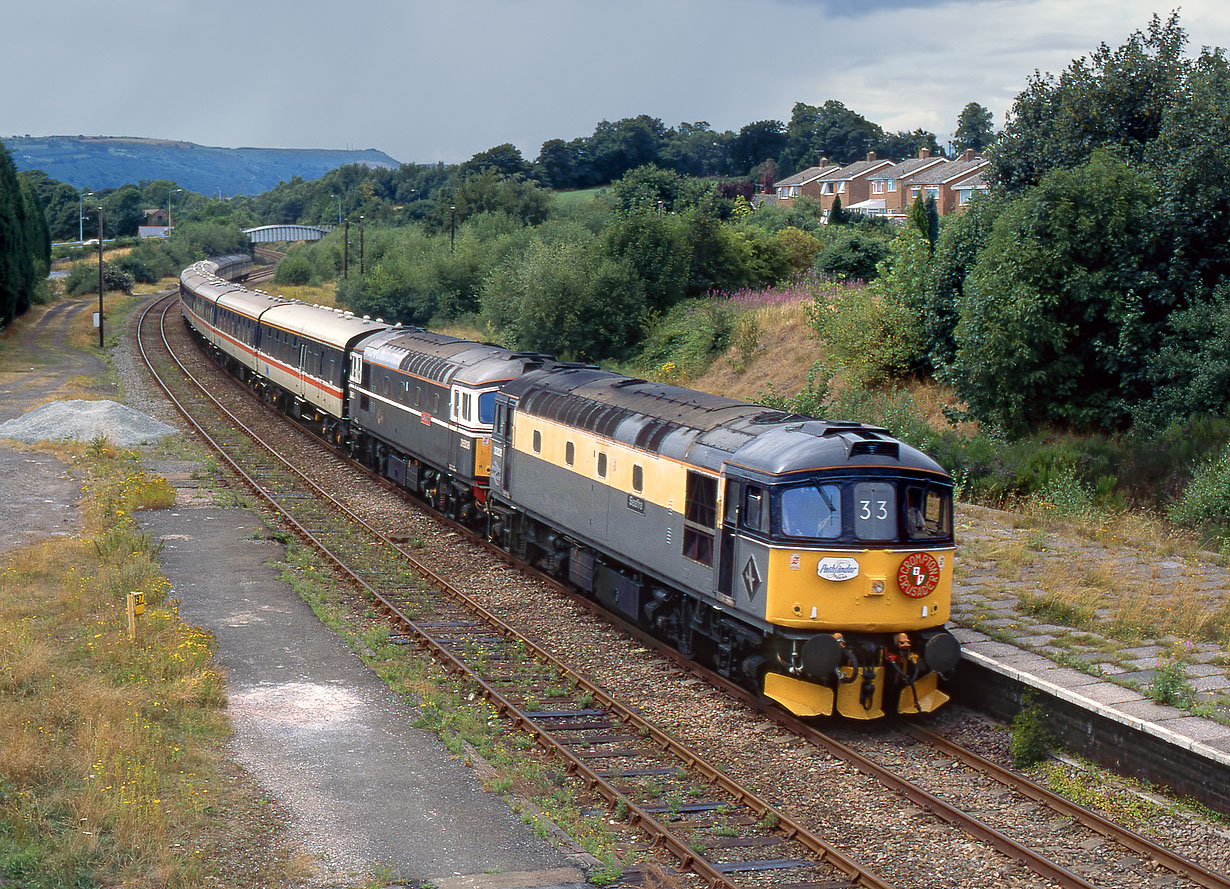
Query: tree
1063	309
974	128
505	159
1116	98
756	143
24	248
837	216
656	248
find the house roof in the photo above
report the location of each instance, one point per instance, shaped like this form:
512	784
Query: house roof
977	182
854	170
805	176
947	172
908	167
759	199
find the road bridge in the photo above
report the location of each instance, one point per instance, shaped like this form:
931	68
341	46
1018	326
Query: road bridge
264	234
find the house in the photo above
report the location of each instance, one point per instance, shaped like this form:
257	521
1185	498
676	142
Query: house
851	183
887	193
967	188
940	182
806	182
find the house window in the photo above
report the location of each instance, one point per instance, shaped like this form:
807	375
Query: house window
570	453
877	186
537	441
699	517
933	192
602	466
963	197
638	478
914	190
841	188
892	184
827	188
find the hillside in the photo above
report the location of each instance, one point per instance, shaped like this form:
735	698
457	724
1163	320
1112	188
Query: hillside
111	161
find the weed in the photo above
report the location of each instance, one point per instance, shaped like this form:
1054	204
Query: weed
606	873
1030	743
1169	684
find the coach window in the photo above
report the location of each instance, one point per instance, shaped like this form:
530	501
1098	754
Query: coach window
638	478
570	453
537	441
435	402
699	517
601	465
386	384
418	396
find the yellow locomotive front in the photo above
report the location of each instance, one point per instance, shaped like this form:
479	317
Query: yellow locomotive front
850	569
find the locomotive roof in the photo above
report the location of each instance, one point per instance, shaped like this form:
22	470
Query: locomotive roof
446	359
705	430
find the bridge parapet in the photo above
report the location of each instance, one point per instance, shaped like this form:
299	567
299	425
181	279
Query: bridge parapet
265	234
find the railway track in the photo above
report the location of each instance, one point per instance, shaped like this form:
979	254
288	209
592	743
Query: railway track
711	825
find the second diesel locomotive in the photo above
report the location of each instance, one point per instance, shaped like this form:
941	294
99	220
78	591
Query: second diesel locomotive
809	559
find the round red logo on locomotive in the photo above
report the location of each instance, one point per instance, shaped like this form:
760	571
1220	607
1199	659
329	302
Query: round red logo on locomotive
918	575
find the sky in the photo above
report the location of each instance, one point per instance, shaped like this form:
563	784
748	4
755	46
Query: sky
442	81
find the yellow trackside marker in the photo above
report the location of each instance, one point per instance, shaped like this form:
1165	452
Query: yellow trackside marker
136	606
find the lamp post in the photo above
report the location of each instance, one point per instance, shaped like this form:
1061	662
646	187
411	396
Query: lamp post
361	270
169	193
100	279
81	215
452	228
339	207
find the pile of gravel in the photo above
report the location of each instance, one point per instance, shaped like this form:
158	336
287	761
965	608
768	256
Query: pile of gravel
85	421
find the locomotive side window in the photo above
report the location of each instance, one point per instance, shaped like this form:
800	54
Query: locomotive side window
602	466
699	517
753	508
570	453
486	407
812	511
418	396
875	511
537	441
928	513
638	478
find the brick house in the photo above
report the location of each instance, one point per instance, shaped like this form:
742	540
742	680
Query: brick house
941	181
887	191
851	183
805	182
967	188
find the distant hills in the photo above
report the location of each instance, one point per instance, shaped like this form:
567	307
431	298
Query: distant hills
111	161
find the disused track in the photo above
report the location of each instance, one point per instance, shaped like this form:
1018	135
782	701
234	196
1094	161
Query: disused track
605	734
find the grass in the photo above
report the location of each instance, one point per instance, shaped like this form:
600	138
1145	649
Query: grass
111	751
316	294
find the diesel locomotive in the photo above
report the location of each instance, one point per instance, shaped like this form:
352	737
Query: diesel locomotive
808	559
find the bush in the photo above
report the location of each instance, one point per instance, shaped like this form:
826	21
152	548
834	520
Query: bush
852	255
690	336
83	278
1030	743
1205	503
294	269
872	337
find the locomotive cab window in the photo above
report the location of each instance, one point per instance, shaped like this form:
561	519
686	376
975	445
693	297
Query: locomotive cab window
928	512
753	508
812	511
486	407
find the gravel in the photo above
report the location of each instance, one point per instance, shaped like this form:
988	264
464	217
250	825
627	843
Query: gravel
84	421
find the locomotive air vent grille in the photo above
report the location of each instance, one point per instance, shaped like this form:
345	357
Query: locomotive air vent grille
875	449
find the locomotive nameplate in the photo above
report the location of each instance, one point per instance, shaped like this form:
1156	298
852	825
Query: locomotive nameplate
636	504
838	569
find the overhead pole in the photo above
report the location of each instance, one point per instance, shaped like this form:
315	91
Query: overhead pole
346	253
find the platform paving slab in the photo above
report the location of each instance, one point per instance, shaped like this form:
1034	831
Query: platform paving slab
322	733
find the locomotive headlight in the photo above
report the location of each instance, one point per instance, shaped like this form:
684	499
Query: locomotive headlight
877	587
